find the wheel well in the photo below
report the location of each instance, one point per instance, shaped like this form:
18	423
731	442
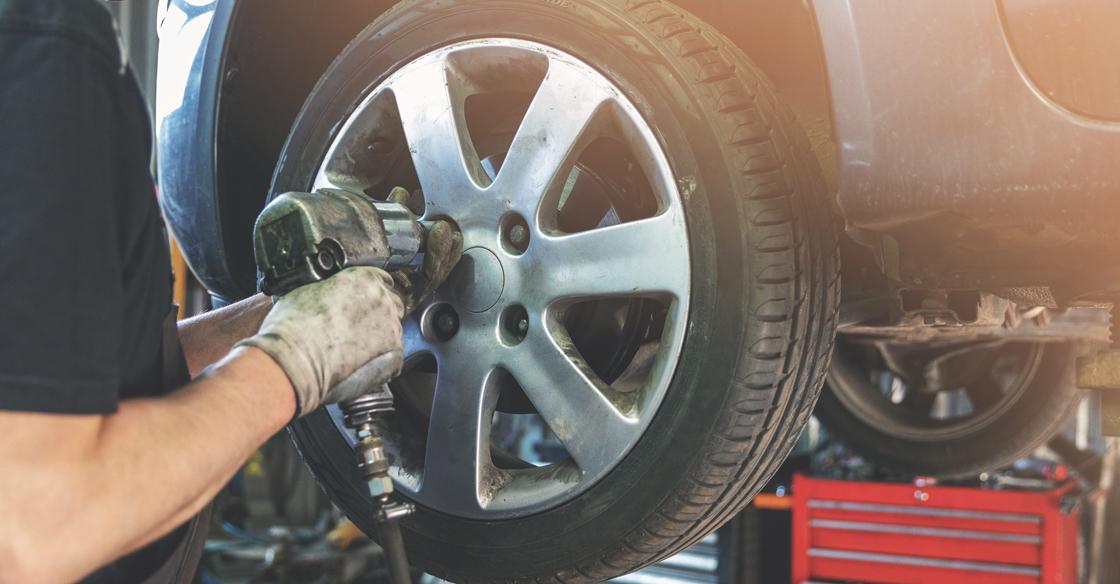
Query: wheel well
267	74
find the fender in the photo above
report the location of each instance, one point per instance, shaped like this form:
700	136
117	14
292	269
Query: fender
192	39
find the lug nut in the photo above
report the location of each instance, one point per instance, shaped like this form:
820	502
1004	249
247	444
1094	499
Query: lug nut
444	322
519	236
515	324
515	232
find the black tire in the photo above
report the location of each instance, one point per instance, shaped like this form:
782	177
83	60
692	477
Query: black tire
1046	402
764	280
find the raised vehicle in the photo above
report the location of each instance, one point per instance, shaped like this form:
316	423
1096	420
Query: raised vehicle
671	213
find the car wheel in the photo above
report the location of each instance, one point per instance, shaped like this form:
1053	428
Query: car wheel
650	270
947	410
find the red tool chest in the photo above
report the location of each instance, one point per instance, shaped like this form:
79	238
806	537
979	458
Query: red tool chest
848	531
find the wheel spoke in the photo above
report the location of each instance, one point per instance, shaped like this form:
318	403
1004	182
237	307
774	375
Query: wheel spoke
457	458
572	400
431	108
551	137
414	341
639	258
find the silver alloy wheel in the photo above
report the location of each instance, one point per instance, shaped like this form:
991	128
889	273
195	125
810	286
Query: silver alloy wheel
597	423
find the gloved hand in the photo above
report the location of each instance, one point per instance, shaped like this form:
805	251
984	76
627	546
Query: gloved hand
345	328
445	247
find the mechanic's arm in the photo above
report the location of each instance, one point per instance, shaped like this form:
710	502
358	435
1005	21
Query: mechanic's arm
95	486
208	337
99	487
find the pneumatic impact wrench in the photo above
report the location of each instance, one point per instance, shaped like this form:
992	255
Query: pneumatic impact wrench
301	238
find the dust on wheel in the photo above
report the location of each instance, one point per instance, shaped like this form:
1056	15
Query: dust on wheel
649	267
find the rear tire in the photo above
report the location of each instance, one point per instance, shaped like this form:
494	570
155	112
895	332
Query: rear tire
763	300
1025	422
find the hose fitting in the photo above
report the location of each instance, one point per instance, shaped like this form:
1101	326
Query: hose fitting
373	466
360	415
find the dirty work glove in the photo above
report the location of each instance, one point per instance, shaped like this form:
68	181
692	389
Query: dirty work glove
336	339
445	246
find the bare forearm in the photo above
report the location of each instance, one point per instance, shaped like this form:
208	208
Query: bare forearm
206	338
143	470
203	434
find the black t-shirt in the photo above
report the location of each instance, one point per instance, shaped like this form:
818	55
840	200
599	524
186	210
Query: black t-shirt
85	277
84	264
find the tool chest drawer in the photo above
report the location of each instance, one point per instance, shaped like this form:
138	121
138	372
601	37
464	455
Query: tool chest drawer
847	531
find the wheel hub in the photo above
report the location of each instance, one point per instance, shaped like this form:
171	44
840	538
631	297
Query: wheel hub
478	280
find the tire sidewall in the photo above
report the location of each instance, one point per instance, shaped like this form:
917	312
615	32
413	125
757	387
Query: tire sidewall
653	469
